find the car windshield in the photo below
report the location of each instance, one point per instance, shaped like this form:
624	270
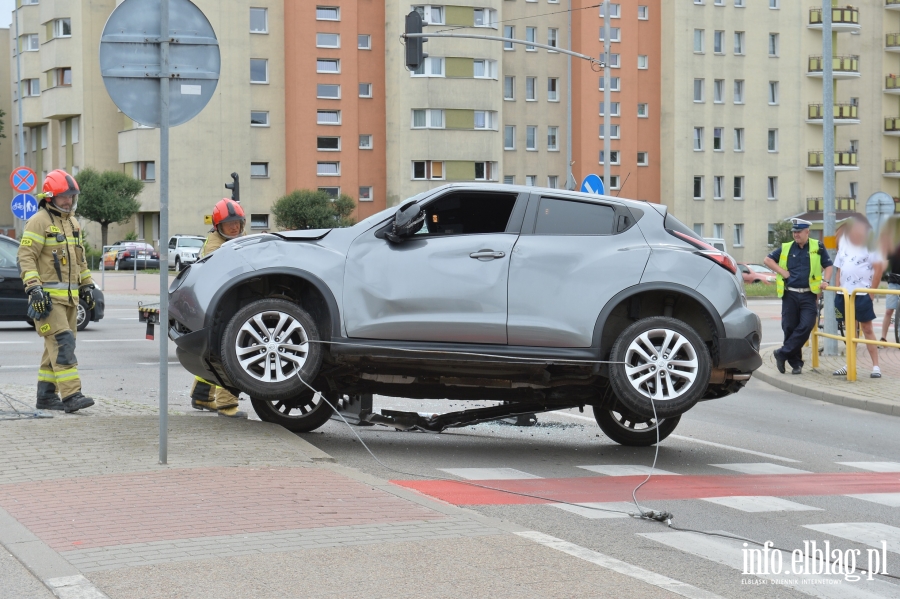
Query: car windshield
191	243
760	268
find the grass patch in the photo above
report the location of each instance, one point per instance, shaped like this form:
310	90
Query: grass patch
760	290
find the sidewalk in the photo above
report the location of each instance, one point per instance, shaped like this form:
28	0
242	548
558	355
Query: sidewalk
123	282
874	395
245	509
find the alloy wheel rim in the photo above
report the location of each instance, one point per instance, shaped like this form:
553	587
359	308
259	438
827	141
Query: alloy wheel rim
661	364
81	315
636	424
296	407
272	346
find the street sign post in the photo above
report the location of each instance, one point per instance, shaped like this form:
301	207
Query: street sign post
879	207
160	75
24	206
592	184
23	179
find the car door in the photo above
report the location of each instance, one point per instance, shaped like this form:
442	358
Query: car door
13	302
572	257
173	247
446	283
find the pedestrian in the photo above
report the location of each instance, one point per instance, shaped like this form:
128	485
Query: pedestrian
55	274
799	265
892	302
228	223
859	268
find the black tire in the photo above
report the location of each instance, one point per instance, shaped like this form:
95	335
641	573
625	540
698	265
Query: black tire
896	326
178	265
280	382
626	428
677	382
117	265
299	414
83	316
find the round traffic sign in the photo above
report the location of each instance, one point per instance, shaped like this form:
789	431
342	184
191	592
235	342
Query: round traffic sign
879	206
24	206
592	184
131	63
23	179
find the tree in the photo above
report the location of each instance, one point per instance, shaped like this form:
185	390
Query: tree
310	209
108	197
782	233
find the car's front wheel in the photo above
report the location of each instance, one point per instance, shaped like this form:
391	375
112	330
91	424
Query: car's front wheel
302	413
82	315
627	428
268	346
178	266
659	367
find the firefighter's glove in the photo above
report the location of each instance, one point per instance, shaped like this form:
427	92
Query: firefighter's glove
39	304
86	293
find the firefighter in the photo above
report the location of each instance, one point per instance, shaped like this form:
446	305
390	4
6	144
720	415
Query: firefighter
228	223
55	273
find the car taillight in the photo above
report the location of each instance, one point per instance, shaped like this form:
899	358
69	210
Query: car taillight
126	255
708	251
154	255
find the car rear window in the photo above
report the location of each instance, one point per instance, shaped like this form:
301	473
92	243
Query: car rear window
673	224
565	217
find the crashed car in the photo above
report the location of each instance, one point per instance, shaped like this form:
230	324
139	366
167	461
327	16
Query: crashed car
541	299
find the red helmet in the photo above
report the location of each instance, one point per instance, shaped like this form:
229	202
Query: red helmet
59	183
226	211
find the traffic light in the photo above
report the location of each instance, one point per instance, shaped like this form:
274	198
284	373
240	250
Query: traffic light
235	187
414	55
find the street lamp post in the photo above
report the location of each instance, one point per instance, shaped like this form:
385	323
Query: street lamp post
831	348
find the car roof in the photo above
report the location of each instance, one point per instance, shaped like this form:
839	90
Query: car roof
189	236
8	239
575	195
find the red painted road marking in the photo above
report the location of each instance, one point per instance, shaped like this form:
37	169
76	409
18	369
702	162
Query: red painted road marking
618	488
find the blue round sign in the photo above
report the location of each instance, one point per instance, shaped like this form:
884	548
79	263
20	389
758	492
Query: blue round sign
24	206
592	184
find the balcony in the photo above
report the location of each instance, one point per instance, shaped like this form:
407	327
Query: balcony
844	114
842	19
892	4
841	204
842	67
892	42
843	161
892	168
892	126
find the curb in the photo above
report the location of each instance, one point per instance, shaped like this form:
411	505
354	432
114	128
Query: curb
776	379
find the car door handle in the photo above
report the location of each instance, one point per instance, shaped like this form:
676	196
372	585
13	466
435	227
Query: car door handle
487	255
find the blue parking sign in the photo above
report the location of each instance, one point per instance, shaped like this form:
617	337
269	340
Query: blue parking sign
24	206
592	184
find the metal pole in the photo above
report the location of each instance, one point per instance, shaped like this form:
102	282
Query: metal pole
164	232
570	178
20	224
606	103
831	347
134	270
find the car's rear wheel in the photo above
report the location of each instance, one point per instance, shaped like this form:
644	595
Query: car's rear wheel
627	428
118	265
82	315
302	413
178	266
268	346
659	366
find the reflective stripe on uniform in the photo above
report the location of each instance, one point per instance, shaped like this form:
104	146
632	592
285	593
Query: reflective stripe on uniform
66	375
85	274
57	292
47	376
33	237
30	274
51	241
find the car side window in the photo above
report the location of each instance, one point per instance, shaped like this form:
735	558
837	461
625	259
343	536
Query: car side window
567	217
467	213
7	255
173	243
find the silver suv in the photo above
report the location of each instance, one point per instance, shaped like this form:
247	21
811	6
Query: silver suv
539	298
184	250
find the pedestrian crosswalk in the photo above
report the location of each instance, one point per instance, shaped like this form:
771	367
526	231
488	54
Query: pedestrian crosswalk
761	504
760	468
874	466
625	470
866	533
888	499
488	473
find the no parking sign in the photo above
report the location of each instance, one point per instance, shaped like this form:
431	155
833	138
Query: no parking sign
23	179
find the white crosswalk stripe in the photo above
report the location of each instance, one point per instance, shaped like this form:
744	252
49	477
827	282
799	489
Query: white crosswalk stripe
759	503
874	466
888	499
488	473
866	533
625	470
594	511
760	468
730	553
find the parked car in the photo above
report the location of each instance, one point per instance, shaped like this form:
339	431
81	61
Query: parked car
184	250
757	273
123	254
14	302
542	298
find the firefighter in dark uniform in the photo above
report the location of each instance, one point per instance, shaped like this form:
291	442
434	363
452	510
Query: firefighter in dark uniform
801	266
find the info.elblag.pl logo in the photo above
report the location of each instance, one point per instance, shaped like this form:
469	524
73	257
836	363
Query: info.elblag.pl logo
813	560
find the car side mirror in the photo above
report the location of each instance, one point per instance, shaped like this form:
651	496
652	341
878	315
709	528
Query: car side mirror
407	221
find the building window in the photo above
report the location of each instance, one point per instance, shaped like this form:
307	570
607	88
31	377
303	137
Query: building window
509	137
331	192
552	89
31	87
739	43
553	181
364	42
509	32
365	194
643	13
643	61
719	230
773	44
259	170
552	139
698	90
718	91
552	37
615	11
773	140
30	43
773	93
365	142
259	221
739	139
614	61
509	88
61	77
430	67
719	2
719	42
530	93
614	84
739	3
739	188
328	169
509	179
431	15
76	129
773	4
643	159
145	171
484	69
328	91
328	65
530	36
328	144
365	90
771	235
259	20
738	235
738	91
613	157
698	139
614	182
613	109
718	184
485	17
62	28
530	180
428	169
718	143
531	138
328	117
643	110
613	132
484	171
327	40
615	34
773	188
259	70
328	13
698	229
698	40
430	118
854	188
485	120
259	118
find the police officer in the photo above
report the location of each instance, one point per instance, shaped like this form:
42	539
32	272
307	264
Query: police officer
228	222
55	273
799	265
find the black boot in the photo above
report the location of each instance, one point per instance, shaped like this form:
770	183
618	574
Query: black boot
76	402
49	403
